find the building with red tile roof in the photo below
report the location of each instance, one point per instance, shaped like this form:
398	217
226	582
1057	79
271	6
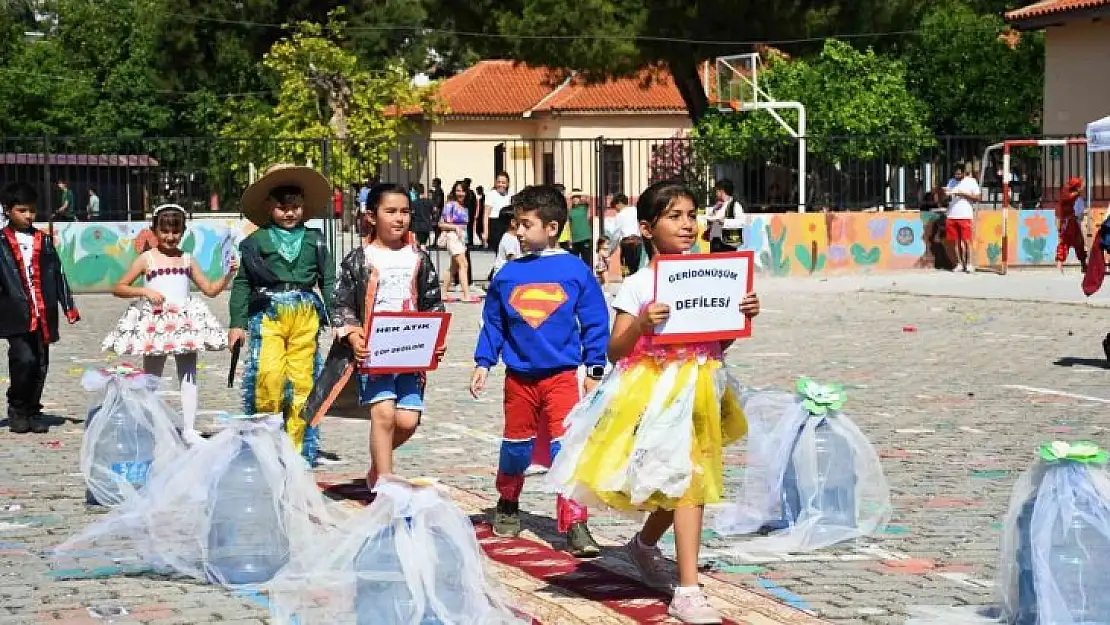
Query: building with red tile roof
545	126
1077	60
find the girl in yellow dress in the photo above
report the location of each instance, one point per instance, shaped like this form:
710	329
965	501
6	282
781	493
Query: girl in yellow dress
650	438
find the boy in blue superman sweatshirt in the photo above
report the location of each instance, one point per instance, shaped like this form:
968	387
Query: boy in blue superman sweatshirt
544	316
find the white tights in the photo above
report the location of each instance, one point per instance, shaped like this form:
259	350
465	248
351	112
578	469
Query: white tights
186	377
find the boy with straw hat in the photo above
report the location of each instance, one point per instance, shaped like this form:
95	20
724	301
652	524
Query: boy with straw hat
274	303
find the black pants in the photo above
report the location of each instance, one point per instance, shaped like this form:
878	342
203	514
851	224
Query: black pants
497	229
716	246
423	237
28	361
581	249
631	249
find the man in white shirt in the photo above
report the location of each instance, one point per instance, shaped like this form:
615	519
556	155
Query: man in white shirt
962	190
497	213
627	234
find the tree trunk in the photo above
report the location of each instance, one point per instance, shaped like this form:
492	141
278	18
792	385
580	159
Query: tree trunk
688	80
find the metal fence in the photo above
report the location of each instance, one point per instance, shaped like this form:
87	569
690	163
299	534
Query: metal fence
208	175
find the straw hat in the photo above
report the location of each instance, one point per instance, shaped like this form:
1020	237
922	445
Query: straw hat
256	201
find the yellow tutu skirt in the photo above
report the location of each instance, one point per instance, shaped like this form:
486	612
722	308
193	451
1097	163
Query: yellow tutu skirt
651	437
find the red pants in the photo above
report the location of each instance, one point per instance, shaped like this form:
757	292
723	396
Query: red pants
529	404
1071	235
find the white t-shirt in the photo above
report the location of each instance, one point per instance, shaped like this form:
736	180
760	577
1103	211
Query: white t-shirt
509	246
396	269
637	291
627	223
960	207
26	243
495	203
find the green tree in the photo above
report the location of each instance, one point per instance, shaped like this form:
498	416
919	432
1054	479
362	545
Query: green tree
978	77
857	108
324	94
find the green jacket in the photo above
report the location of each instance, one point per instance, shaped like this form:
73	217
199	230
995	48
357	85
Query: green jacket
262	268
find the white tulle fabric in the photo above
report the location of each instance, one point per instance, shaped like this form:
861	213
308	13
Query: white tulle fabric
411	557
165	527
130	403
781	430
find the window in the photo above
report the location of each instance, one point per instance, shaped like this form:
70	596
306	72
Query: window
548	168
498	158
612	169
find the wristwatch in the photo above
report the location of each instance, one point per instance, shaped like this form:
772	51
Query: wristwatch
596	372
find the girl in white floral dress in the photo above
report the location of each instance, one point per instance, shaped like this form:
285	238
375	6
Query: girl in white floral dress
164	320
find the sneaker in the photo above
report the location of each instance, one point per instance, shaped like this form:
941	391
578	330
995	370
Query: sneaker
18	424
534	470
580	543
651	564
38	424
693	607
506	519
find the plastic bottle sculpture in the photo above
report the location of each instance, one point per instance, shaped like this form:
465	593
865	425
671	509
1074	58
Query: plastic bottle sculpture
246	541
836	477
125	430
1054	570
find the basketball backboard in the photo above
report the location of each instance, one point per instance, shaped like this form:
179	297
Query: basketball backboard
737	80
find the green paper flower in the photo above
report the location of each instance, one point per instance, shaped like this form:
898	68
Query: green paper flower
820	399
122	369
1083	451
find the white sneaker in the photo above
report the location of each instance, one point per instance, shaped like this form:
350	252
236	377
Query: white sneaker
692	606
535	469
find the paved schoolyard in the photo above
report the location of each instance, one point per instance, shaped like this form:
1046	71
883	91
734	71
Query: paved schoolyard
954	391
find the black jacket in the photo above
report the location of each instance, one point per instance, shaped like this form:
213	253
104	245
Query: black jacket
51	287
350	306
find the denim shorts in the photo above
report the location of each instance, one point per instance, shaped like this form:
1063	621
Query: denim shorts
402	388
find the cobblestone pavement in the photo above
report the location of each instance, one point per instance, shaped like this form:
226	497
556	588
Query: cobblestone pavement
954	393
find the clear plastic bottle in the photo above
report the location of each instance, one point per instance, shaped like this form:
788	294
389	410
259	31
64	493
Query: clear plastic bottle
449	587
790	500
382	596
246	539
836	477
1078	559
125	448
1027	594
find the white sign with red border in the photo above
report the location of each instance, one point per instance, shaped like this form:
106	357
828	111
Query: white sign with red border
704	292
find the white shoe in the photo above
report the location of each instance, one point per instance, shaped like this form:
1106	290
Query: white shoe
535	469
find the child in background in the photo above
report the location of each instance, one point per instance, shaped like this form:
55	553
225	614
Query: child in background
648	384
1068	225
545	316
163	320
601	261
507	249
273	297
391	273
32	287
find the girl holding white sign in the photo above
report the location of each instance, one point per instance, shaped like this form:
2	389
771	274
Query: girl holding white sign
651	436
391	273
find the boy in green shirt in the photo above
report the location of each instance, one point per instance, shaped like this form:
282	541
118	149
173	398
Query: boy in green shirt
581	234
274	305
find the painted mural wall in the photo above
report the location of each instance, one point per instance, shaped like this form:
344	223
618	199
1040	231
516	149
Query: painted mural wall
800	244
96	255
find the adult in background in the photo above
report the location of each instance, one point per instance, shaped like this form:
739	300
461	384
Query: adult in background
67	206
627	234
961	191
436	195
724	235
92	209
422	219
498	213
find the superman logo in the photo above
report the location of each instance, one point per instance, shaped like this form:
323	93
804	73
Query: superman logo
536	302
